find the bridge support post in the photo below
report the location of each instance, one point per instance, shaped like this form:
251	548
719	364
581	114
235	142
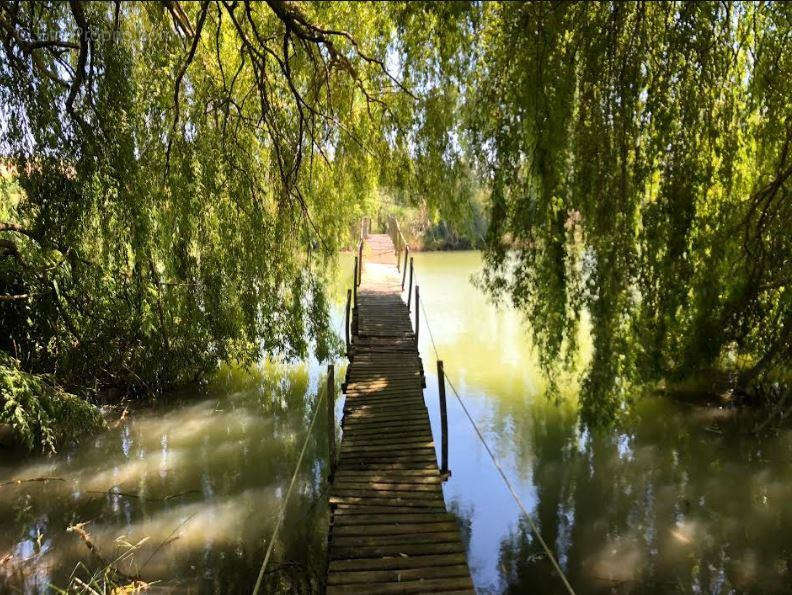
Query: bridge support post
359	277
409	287
354	280
443	422
346	325
404	271
331	445
417	316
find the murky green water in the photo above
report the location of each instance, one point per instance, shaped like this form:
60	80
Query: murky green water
188	493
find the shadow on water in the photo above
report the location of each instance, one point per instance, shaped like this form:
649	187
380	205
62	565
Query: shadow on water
191	490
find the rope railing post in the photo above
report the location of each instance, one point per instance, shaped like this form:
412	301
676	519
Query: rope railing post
409	287
417	317
443	422
359	277
404	271
354	280
346	320
331	436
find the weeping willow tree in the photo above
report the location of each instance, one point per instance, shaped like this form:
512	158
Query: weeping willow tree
638	158
177	177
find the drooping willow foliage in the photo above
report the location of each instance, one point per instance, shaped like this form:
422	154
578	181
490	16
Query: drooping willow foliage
639	161
177	175
176	180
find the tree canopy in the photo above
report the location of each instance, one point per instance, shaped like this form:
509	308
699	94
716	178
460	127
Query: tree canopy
178	177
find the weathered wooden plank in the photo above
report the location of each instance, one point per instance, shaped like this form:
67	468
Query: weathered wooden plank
404	440
433	503
412	538
403	518
361	430
409	549
345	510
396	563
416	473
384	405
383	416
373	485
364	436
340	491
418	460
363	577
416	586
363	424
390	528
406	480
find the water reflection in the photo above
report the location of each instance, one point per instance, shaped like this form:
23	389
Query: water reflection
185	494
678	500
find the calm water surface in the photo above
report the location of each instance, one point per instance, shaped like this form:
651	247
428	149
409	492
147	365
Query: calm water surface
675	502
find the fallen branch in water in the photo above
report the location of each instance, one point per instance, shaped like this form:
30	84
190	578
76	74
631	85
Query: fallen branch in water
32	479
110	492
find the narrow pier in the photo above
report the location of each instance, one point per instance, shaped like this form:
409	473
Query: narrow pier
390	531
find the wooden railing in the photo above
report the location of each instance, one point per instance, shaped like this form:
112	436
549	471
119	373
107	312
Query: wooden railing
399	244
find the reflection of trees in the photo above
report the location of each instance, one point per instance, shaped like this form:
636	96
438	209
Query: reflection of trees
229	459
668	507
524	565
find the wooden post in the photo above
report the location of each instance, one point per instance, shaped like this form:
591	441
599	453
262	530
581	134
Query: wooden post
404	272
409	287
417	315
354	280
331	445
443	422
346	326
360	266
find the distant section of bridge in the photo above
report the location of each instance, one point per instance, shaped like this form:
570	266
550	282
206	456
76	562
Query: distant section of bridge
390	531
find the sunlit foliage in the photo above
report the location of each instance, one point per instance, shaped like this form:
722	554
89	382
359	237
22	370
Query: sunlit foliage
638	156
187	170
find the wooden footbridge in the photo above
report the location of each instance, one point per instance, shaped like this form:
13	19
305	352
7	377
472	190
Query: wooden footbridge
390	531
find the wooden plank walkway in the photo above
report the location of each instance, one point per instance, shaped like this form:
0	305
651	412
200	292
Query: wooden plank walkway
389	530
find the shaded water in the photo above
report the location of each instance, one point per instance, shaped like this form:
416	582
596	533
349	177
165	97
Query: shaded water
183	495
677	502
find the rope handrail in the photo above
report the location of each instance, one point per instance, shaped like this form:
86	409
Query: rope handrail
282	513
497	464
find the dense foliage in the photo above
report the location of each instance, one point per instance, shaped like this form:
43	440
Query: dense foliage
185	171
639	158
638	161
177	178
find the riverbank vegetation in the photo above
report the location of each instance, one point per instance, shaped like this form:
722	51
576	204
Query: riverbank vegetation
177	179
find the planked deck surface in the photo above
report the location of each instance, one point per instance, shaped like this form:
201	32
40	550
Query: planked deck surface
389	530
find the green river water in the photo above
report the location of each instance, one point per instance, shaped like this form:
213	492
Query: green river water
186	494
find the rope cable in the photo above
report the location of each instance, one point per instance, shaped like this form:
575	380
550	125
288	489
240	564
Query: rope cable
497	464
282	512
